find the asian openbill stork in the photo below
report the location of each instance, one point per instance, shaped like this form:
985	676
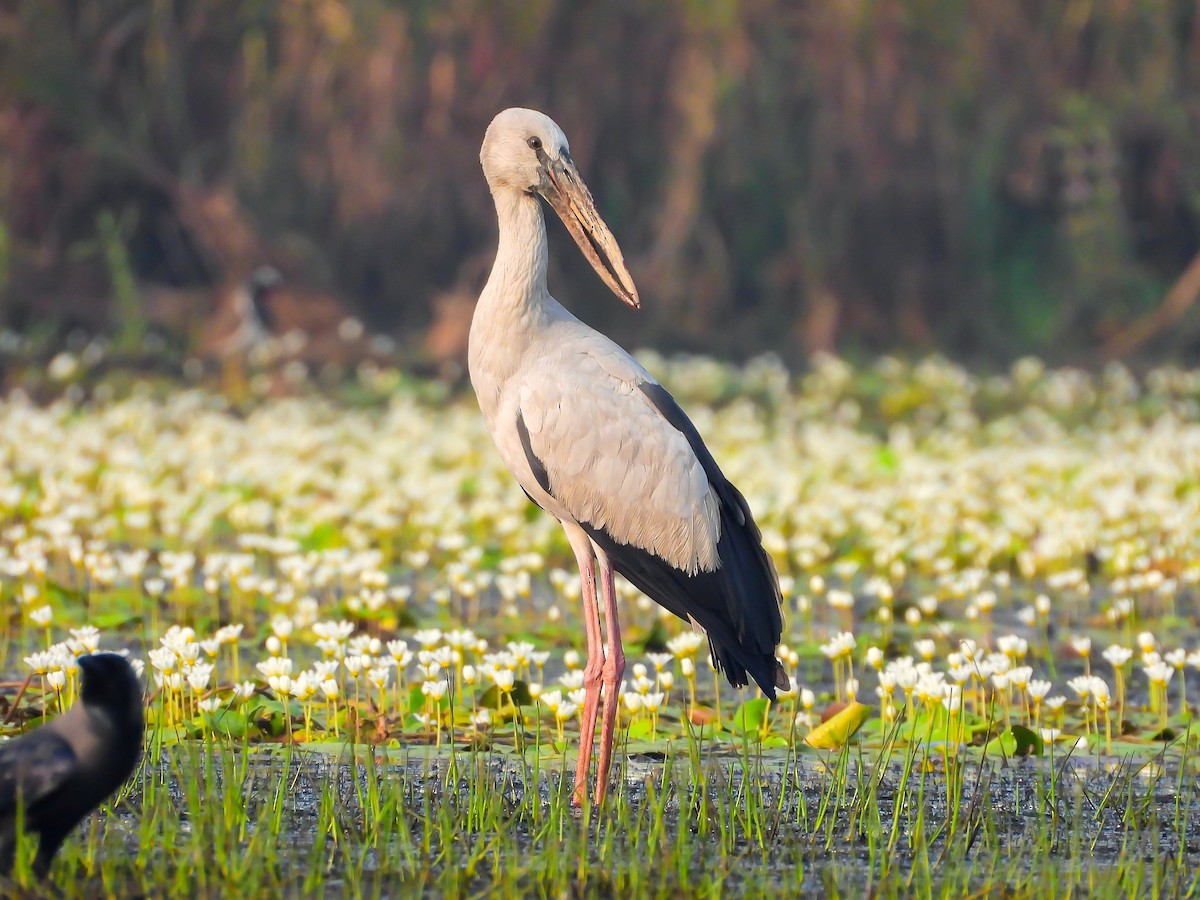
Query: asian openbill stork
600	445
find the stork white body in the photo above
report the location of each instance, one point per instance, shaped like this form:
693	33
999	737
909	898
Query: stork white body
597	443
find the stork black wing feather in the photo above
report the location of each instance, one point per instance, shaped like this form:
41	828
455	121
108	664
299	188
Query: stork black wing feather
738	604
743	593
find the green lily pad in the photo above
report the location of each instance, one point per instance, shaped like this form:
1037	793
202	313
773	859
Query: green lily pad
233	723
1017	741
750	716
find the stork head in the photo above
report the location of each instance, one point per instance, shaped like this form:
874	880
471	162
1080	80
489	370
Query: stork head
525	150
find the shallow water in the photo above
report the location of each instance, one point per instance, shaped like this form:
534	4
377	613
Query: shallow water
1081	817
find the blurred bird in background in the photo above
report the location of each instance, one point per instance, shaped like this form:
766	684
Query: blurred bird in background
241	326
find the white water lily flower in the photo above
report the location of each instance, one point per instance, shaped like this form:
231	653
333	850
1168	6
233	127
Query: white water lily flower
1038	689
324	668
428	638
840	645
198	676
659	660
84	640
228	634
952	698
273	665
565	710
504	679
925	648
435	690
282	627
41	662
1159	673
839	599
303	687
1117	656
1081	685
1019	676
686	644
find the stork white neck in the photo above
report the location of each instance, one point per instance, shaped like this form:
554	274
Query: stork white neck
515	306
518	279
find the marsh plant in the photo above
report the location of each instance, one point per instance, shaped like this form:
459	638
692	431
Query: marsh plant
361	644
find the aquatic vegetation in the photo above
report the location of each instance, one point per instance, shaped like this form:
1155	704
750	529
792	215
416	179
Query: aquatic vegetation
975	569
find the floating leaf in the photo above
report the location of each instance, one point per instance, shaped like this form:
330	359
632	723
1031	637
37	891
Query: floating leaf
269	715
707	732
750	716
656	639
323	537
107	621
833	709
228	722
640	729
837	731
518	696
1017	741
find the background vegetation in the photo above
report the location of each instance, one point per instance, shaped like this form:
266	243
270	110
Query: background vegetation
985	178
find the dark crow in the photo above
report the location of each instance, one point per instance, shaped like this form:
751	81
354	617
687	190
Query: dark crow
62	771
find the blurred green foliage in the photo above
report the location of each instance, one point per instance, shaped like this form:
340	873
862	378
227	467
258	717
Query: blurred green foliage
990	178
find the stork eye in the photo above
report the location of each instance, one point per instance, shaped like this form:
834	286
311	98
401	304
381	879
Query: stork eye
535	143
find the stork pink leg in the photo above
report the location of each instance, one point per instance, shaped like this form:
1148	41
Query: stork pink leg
613	669
591	673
